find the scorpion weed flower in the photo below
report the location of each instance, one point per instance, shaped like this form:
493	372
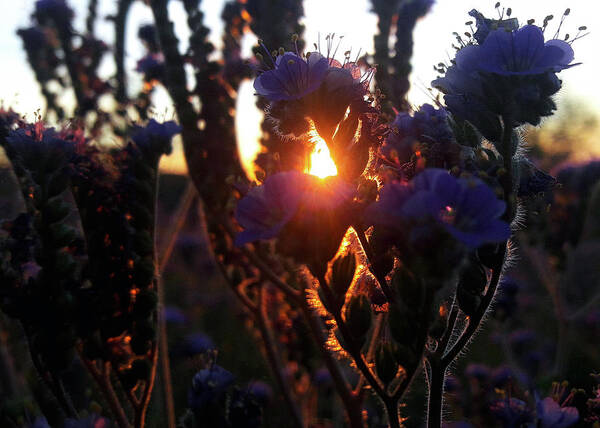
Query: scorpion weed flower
466	208
208	386
551	415
292	77
266	209
156	136
521	52
510	74
485	25
428	125
512	412
56	10
152	66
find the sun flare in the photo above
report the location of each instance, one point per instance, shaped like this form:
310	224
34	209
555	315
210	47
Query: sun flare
320	162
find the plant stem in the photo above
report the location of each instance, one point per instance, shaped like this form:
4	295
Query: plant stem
362	238
351	402
435	401
103	382
275	360
165	366
473	322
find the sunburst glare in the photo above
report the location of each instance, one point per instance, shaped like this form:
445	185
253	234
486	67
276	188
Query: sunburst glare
320	162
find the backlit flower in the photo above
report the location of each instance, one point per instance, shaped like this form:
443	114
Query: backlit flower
511	53
466	208
551	415
292	78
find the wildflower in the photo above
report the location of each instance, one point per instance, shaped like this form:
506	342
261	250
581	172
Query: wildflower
261	391
485	25
174	315
551	415
428	125
516	53
196	344
532	180
209	386
147	34
58	11
511	74
466	208
34	38
155	136
152	67
512	412
266	209
292	77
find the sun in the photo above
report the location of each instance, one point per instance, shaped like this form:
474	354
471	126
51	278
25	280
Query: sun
320	162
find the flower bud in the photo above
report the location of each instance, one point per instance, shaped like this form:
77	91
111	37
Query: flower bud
473	277
342	274
467	302
401	328
385	363
408	288
358	316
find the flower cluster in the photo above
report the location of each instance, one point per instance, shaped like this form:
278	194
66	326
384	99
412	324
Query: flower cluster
507	72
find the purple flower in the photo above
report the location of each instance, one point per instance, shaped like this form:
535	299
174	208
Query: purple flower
208	386
512	412
516	53
261	391
511	74
156	137
197	343
292	78
174	315
532	180
466	208
551	415
57	9
93	421
33	38
484	25
152	66
428	125
266	209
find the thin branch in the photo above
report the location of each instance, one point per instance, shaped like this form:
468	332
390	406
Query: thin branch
351	402
103	382
275	360
177	223
474	321
362	238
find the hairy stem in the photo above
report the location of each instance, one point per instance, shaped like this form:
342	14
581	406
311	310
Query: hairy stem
435	401
351	401
103	381
274	359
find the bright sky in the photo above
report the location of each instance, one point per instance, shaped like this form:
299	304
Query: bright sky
350	18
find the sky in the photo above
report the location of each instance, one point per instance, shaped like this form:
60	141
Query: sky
350	18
